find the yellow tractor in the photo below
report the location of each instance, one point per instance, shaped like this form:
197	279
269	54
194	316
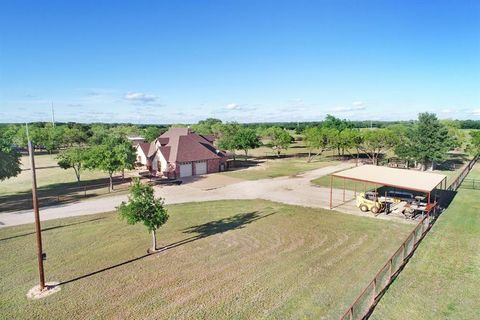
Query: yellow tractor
368	201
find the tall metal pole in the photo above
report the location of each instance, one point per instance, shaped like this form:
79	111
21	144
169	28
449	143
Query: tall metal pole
38	229
53	116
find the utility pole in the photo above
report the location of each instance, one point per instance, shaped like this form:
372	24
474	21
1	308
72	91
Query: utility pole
53	116
38	229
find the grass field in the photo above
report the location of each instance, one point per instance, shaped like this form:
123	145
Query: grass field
297	148
279	168
48	173
54	184
228	259
442	280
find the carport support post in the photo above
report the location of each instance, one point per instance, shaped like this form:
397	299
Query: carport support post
331	186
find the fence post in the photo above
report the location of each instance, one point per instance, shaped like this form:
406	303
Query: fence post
85	191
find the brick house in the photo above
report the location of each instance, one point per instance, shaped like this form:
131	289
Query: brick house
179	153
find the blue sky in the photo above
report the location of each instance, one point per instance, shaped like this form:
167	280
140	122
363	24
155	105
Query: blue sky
246	61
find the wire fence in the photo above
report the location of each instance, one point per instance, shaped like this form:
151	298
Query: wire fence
369	297
73	193
470	184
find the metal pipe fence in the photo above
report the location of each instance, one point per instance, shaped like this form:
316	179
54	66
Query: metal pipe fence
369	297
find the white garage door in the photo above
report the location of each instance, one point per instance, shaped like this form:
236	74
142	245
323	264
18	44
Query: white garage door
185	170
201	167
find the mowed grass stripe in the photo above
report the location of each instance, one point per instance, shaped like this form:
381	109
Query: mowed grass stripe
235	259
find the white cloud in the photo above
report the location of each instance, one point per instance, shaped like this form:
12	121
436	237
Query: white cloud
233	106
349	109
475	112
358	103
140	97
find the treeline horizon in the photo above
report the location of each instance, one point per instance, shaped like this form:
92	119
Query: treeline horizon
291	125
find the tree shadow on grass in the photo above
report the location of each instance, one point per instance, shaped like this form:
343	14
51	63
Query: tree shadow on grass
201	231
50	228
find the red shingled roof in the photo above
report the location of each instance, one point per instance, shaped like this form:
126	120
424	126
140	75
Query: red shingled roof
145	147
186	146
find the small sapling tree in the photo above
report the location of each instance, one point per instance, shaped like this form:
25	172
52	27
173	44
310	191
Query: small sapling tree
142	206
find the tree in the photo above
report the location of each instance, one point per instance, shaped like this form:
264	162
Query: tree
246	139
336	123
114	154
377	141
74	135
127	155
456	135
74	158
316	138
50	137
98	132
125	130
475	142
427	142
226	134
279	139
351	138
152	133
9	159
205	126
143	207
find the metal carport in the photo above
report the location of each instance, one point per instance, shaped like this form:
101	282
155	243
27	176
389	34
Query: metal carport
424	182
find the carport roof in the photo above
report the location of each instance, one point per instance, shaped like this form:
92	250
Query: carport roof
399	178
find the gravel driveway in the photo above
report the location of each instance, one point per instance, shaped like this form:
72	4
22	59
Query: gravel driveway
290	190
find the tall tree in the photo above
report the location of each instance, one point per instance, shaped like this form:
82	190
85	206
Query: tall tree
74	158
336	123
50	137
318	139
9	159
279	139
428	141
351	139
206	126
246	139
153	132
226	134
74	136
114	154
475	142
142	206
378	141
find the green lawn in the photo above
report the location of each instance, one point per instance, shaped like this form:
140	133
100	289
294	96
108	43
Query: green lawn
52	181
224	260
297	148
442	280
48	173
279	168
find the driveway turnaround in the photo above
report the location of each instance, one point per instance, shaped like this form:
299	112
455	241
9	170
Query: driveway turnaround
290	190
